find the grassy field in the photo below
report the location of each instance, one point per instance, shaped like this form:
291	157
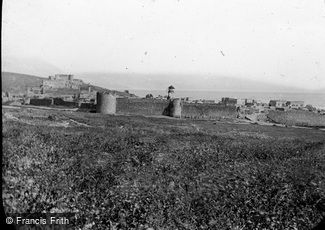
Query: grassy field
133	172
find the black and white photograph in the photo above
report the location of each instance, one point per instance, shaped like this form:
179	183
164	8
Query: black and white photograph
163	114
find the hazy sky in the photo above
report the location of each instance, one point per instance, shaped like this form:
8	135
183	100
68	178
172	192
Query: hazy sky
271	40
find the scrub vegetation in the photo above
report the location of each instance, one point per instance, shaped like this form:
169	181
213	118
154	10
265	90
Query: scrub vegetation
133	172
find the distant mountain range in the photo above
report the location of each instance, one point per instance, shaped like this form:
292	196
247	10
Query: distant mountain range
15	82
38	68
29	66
182	82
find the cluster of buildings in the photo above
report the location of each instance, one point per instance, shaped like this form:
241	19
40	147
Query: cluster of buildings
273	104
58	81
64	89
248	104
62	86
59	90
62	81
284	105
242	103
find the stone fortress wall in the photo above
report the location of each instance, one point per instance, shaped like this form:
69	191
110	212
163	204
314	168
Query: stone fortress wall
141	106
163	107
208	111
297	117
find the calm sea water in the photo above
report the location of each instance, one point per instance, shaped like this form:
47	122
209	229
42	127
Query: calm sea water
315	99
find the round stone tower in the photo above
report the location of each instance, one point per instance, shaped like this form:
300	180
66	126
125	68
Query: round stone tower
106	103
176	109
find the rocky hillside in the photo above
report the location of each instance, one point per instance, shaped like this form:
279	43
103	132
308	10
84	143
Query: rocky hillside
17	83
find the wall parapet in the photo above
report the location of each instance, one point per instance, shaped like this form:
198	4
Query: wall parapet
297	117
208	111
140	106
164	107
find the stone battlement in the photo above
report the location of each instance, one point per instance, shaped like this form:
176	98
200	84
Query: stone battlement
62	81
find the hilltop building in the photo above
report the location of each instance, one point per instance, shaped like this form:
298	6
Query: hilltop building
66	77
62	81
295	104
87	94
240	102
32	91
249	102
278	103
228	101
